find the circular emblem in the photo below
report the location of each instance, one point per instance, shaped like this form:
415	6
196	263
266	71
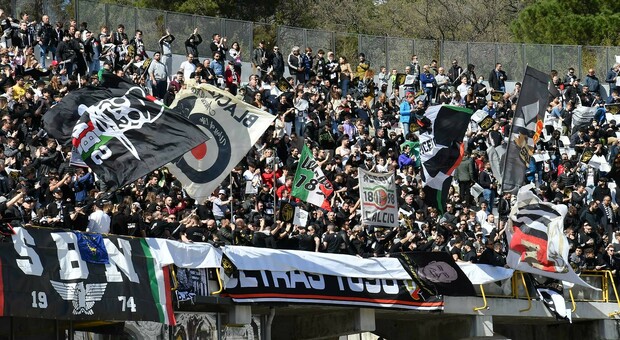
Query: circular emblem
209	160
381	198
287	212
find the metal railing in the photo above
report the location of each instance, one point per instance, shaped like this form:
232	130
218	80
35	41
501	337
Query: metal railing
602	279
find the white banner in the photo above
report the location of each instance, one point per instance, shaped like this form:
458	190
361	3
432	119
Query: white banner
301	217
253	258
184	255
378	195
233	127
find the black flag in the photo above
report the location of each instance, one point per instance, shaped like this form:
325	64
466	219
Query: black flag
121	133
527	126
436	273
441	149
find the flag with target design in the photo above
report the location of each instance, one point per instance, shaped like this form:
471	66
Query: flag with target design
378	194
232	126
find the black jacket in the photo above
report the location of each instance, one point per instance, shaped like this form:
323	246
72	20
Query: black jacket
191	44
47	35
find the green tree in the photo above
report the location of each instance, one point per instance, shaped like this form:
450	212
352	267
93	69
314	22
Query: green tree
469	20
198	7
574	22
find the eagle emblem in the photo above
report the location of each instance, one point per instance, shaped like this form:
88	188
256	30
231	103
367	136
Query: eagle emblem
83	296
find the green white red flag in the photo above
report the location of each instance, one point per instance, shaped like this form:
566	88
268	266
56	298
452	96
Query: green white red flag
310	184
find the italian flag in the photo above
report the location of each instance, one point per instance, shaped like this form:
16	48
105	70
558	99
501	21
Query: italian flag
310	184
159	283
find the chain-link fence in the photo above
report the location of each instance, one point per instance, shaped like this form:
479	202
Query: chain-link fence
391	52
205	26
375	48
289	37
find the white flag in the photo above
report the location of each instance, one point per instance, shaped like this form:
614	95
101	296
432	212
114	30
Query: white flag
301	217
233	127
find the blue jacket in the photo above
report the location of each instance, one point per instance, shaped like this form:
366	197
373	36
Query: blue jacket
405	112
404	160
427	79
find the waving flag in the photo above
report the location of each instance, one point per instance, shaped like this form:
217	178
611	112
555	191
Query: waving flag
92	248
121	133
232	126
527	126
310	184
441	149
536	239
436	273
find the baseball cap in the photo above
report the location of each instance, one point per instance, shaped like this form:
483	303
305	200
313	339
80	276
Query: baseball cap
222	191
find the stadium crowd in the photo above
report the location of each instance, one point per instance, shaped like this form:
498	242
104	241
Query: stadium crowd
351	114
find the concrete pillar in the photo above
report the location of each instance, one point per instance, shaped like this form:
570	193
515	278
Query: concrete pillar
365	320
482	325
239	315
327	325
608	329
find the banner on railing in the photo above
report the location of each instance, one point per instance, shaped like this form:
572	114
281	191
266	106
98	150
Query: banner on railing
249	286
48	274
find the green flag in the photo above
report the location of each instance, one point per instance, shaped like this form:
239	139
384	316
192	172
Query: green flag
310	184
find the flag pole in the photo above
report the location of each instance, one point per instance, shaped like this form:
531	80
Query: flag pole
275	182
512	125
231	197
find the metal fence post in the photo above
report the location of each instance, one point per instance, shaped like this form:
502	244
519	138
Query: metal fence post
166	26
441	53
135	19
607	61
305	37
107	17
552	59
252	36
579	62
359	44
467	54
387	56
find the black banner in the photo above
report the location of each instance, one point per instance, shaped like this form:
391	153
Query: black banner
300	287
44	276
437	273
287	212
